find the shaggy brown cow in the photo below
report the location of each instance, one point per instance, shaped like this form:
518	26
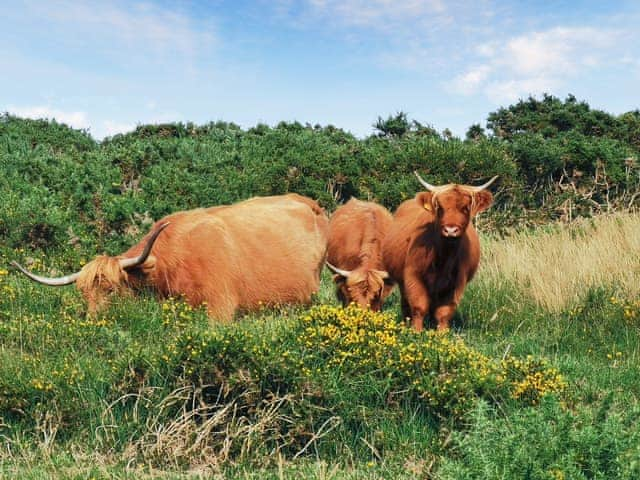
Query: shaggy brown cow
262	251
354	253
432	249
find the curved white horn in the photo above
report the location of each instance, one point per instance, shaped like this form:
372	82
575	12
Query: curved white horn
428	186
69	279
482	187
339	271
126	263
54	282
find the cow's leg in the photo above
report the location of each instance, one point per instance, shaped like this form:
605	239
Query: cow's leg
222	311
444	313
417	299
446	309
406	310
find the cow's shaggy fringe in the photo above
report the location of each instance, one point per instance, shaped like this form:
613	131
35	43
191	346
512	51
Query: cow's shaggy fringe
101	277
557	267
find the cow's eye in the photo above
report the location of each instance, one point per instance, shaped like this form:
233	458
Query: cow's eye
465	210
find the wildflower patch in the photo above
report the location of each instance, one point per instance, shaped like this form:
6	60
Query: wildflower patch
435	368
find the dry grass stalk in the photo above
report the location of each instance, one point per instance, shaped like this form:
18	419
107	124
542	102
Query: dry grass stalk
557	267
189	430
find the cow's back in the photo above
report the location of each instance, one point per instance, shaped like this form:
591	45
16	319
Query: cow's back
280	244
265	250
356	232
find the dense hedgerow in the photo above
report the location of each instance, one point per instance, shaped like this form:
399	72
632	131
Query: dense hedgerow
60	189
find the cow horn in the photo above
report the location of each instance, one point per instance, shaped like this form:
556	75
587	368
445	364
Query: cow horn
482	187
428	186
339	271
127	263
54	282
69	279
431	188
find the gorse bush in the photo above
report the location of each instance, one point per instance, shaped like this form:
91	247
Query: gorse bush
434	368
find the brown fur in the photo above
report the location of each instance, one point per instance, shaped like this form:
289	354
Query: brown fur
432	270
99	278
263	251
356	232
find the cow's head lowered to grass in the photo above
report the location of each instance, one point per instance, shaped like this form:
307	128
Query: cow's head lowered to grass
104	275
455	205
366	287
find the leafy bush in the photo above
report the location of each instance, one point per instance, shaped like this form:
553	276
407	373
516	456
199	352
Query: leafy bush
594	443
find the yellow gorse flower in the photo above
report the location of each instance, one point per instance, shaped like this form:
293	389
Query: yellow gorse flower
439	367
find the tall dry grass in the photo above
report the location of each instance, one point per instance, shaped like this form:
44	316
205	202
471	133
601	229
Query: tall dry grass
558	265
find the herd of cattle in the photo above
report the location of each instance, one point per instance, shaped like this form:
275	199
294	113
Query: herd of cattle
271	250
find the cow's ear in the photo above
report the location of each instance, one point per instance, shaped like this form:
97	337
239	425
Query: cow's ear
482	200
384	275
426	201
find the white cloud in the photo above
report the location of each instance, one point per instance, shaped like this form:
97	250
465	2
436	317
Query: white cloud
126	29
471	79
557	51
110	128
73	119
537	62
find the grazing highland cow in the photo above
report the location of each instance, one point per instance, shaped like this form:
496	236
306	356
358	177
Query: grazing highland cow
262	251
354	253
432	249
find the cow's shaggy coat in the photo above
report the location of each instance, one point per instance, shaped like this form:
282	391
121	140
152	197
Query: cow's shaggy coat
262	251
432	250
356	232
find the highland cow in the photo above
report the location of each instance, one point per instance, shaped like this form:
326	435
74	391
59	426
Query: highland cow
432	249
354	253
262	251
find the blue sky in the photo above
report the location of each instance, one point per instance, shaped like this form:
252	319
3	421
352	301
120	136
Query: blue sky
108	66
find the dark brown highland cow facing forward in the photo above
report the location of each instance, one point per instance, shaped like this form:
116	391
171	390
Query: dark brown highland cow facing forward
263	251
354	253
432	249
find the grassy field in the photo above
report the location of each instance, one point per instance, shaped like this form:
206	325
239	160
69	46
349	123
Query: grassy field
539	379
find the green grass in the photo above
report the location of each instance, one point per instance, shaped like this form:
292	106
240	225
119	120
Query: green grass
102	414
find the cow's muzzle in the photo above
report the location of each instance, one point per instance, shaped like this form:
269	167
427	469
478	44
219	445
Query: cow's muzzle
451	231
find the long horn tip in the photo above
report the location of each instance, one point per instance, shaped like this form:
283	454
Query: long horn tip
163	226
493	179
15	264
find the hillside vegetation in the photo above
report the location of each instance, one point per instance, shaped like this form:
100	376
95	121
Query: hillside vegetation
539	379
60	189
